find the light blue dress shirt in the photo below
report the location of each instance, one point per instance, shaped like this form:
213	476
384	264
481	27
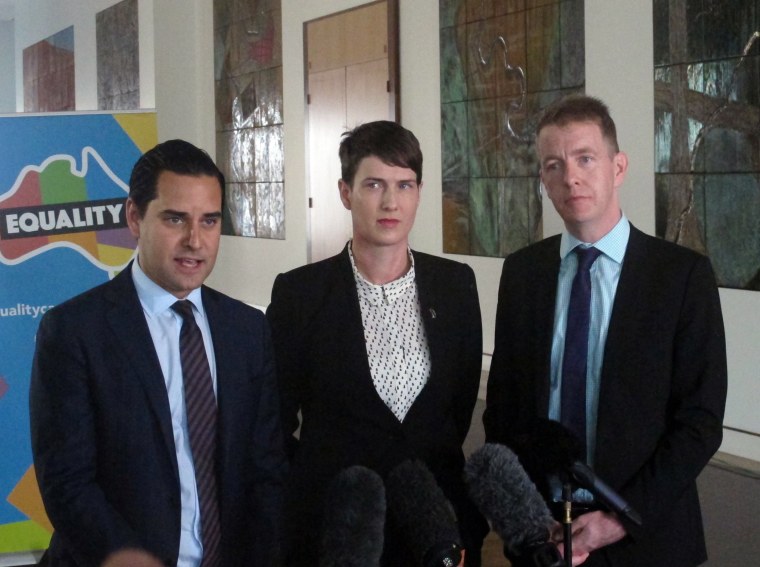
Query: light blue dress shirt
165	324
605	274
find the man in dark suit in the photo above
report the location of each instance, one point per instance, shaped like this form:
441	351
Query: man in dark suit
653	362
379	348
155	422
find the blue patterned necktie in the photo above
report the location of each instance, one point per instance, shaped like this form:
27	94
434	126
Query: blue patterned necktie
574	362
200	406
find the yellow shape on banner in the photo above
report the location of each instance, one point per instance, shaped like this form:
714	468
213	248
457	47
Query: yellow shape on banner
21	537
114	255
26	497
140	127
85	240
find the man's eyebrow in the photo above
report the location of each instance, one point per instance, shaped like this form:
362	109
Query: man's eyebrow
173	213
573	153
384	180
183	214
583	150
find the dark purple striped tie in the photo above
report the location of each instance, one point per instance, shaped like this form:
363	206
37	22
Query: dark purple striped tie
200	405
574	361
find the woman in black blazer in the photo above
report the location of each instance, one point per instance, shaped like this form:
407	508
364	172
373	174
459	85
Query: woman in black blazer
378	352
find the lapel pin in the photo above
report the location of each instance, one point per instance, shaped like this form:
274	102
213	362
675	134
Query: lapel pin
432	313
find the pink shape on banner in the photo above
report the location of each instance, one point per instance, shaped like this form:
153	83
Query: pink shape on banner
3	386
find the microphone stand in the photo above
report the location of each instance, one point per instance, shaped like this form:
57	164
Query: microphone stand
567	520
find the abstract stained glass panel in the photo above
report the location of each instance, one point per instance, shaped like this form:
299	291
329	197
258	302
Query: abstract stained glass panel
49	73
707	132
118	56
502	61
249	126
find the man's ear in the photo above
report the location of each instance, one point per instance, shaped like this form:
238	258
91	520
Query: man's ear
133	218
621	167
345	193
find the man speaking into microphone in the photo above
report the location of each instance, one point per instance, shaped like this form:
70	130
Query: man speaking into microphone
619	336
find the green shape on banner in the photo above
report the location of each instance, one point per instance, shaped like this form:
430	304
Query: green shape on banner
59	185
23	536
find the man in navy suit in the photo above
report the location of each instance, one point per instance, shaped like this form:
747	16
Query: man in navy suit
115	462
654	371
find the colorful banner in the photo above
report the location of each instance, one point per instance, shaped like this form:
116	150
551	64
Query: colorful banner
63	183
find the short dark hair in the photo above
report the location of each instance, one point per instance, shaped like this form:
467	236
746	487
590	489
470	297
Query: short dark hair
580	108
390	142
177	156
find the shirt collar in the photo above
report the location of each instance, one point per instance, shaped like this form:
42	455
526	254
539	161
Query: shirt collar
612	244
387	293
155	299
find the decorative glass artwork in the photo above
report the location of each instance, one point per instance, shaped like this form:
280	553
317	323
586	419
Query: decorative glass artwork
118	57
49	73
707	132
249	127
502	61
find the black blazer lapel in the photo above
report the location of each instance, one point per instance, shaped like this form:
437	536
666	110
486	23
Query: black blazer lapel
544	285
622	345
127	322
349	316
230	371
431	302
346	314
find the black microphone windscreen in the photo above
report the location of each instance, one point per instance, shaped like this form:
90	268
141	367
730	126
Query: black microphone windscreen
505	495
423	514
354	524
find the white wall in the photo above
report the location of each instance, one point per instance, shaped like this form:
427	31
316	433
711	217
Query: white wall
618	69
39	19
7	67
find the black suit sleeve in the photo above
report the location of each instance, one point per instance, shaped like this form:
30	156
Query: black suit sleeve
64	445
497	412
285	314
522	342
269	465
470	354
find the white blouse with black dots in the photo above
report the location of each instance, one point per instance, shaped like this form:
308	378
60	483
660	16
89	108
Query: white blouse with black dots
397	348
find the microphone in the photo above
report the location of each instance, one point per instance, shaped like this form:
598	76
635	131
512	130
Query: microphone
585	478
354	525
505	495
424	515
547	447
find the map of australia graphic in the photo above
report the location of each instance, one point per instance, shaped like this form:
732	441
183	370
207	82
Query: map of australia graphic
63	189
55	204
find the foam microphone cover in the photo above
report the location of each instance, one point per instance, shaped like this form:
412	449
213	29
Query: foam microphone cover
423	514
354	524
505	495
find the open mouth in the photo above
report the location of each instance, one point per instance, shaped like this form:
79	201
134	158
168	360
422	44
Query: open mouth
188	262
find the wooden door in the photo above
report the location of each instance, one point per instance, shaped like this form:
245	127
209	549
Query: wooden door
351	79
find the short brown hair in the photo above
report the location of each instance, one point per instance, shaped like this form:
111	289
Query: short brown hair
580	108
390	142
